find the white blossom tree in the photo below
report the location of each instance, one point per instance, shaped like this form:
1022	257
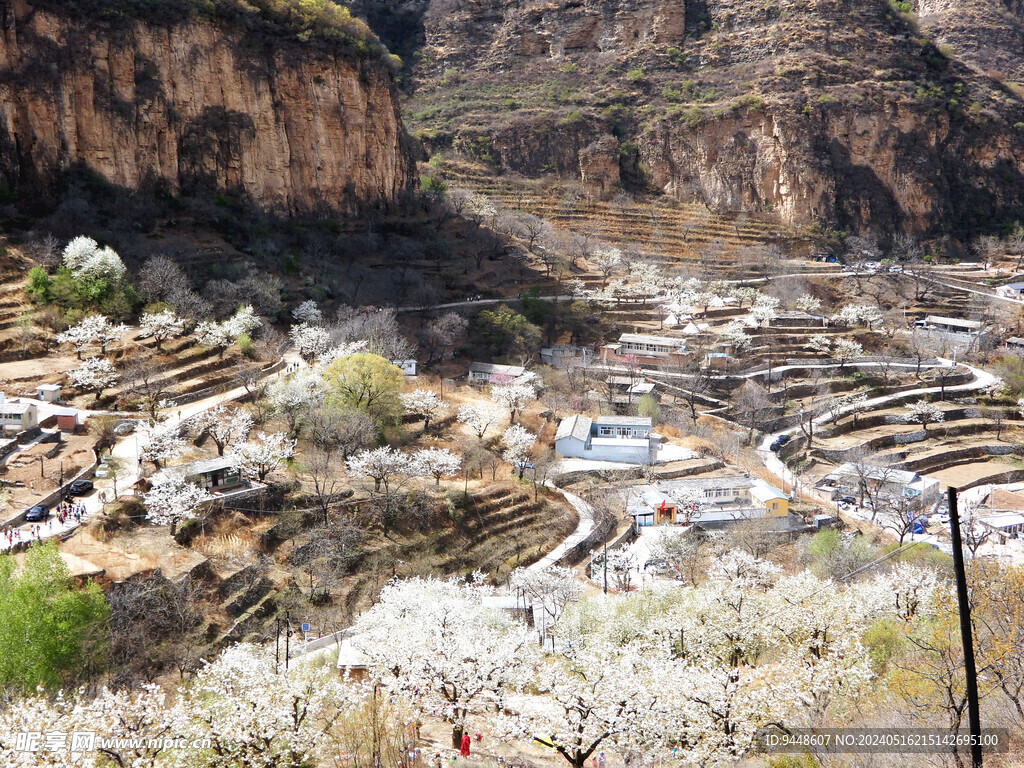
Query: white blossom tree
519	442
214	334
293	396
161	326
94	329
735	334
925	413
437	463
383	466
308	312
514	396
245	320
239	709
845	350
172	499
94	375
390	470
606	260
161	442
478	418
820	343
764	309
858	314
456	653
311	341
809	304
84	257
425	403
263	454
225	427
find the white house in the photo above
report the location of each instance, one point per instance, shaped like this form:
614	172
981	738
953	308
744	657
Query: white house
491	373
1013	290
17	416
48	393
560	354
625	439
848	478
408	367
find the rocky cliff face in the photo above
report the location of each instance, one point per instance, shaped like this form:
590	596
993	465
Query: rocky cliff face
840	112
193	104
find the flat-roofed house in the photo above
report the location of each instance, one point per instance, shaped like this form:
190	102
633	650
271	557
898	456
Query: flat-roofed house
16	416
626	439
216	475
647	348
494	373
954	324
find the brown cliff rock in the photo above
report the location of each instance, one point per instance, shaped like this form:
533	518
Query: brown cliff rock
843	113
196	105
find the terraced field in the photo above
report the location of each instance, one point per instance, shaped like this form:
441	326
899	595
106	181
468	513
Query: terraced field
499	529
666	230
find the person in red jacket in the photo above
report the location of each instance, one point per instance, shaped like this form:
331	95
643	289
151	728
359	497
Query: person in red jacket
465	745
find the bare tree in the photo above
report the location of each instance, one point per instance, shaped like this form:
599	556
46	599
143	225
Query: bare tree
752	405
146	382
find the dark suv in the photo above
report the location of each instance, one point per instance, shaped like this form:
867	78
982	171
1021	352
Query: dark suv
80	487
37	514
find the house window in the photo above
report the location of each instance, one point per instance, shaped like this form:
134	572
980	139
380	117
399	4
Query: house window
606	431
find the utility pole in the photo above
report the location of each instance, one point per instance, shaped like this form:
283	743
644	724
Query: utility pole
287	638
606	567
970	669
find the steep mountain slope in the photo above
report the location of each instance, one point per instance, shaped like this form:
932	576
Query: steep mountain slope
166	96
839	112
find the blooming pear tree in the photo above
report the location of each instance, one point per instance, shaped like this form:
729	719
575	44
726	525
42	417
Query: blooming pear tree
809	304
735	334
292	396
94	375
858	314
94	329
172	499
606	260
238	710
455	655
222	335
925	413
161	442
311	341
213	334
308	312
260	456
437	463
425	403
764	309
390	470
820	343
84	257
385	466
519	441
478	418
225	427
845	350
245	320
514	396
161	326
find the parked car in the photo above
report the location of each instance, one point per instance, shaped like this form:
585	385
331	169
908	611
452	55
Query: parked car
37	514
780	441
848	500
80	487
125	427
